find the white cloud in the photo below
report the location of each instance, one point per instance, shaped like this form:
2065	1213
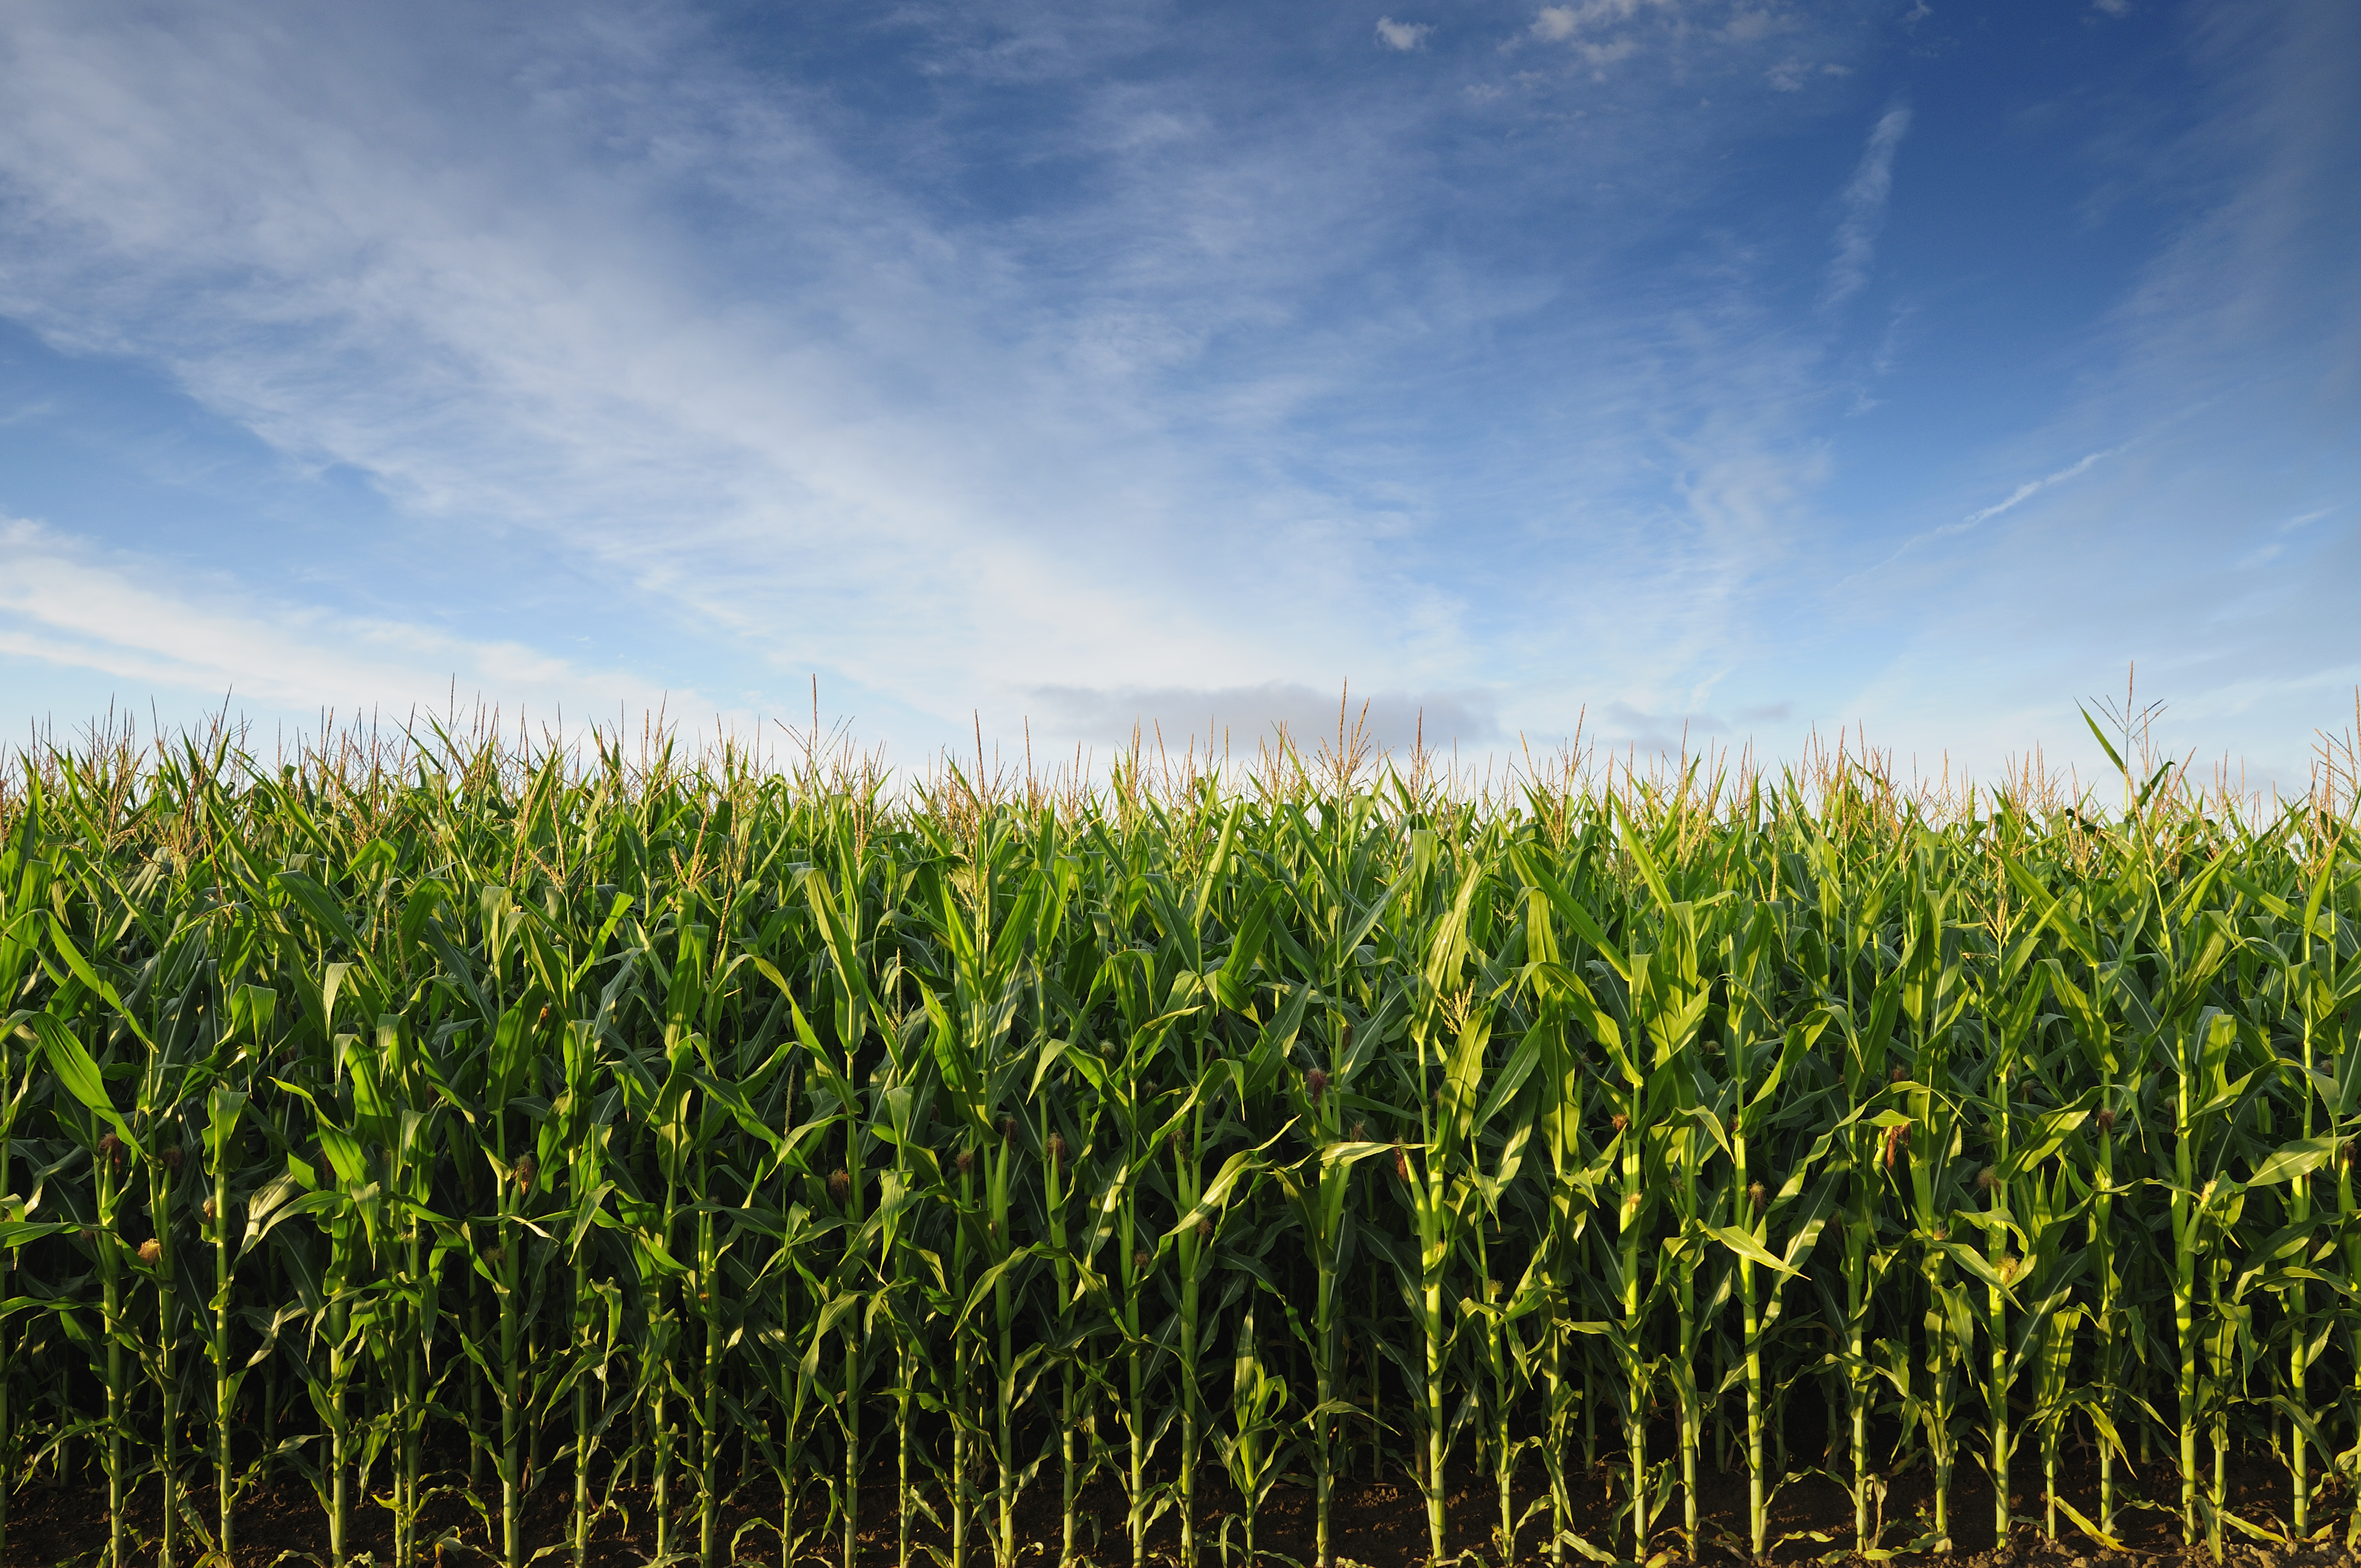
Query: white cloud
1750	25
1865	208
1556	24
66	605
2113	7
1403	36
1790	75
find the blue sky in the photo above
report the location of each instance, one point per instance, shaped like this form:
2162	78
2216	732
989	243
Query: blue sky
1733	368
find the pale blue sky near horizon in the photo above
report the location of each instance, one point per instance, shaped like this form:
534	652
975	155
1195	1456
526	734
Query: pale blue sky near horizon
1726	369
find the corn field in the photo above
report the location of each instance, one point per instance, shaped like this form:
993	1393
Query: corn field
742	1148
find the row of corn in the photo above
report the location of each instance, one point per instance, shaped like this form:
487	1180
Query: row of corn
804	1170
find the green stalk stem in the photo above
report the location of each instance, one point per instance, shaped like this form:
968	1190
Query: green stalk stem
340	1500
110	1273
1750	1306
1187	1192
852	1353
1431	1310
1997	1322
513	1388
2184	1300
1134	1281
906	1370
661	1337
1324	1378
963	1386
1940	1355
1054	1201
168	1384
412	1433
2299	1316
1504	1468
1635	1415
1004	1307
1858	1387
585	1329
2102	1253
709	1426
1685	1384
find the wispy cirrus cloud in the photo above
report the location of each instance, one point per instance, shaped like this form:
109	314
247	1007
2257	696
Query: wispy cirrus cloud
1864	200
586	280
541	340
2155	528
2030	488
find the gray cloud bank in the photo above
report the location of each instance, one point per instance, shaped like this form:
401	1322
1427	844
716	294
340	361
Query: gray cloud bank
1244	715
1675	734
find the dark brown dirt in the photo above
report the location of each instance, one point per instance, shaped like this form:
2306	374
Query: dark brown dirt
1378	1524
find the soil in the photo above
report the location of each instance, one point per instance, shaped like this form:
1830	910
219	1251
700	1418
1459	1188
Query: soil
1376	1524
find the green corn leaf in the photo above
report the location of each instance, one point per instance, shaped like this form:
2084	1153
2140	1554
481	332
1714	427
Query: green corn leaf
80	1075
